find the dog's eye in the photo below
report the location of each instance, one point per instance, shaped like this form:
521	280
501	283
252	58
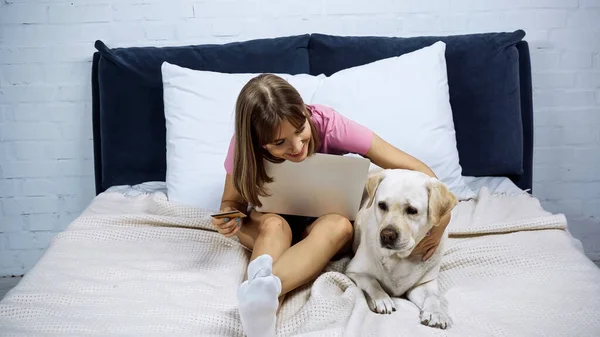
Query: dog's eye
411	210
382	206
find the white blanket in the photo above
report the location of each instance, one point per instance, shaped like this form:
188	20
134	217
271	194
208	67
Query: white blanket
140	266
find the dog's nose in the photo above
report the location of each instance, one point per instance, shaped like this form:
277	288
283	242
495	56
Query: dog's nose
388	235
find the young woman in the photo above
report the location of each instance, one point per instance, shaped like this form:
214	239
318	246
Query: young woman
273	123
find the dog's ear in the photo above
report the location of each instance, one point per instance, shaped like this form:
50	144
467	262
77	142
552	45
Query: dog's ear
441	200
371	186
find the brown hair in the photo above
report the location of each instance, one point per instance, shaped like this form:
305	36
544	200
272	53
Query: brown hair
262	105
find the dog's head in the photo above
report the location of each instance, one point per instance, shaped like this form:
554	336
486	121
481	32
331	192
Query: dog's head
404	205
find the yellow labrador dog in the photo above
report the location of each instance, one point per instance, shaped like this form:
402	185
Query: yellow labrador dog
399	208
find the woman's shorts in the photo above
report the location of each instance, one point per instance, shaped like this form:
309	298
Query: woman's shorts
298	225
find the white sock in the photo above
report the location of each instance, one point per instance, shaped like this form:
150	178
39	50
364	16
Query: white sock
258	298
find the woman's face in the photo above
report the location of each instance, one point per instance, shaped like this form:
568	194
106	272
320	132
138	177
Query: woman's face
291	143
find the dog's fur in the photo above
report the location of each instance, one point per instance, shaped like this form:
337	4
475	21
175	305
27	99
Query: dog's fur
399	208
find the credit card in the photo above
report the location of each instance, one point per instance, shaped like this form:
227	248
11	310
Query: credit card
229	214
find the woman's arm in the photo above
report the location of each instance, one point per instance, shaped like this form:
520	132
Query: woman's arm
231	199
387	156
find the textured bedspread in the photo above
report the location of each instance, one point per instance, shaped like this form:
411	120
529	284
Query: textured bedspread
141	266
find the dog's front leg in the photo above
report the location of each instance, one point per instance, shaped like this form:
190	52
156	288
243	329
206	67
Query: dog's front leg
377	299
428	299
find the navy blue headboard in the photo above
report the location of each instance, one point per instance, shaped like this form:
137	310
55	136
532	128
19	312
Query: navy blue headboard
489	76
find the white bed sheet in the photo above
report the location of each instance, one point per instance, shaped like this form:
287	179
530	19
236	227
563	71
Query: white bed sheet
136	265
496	185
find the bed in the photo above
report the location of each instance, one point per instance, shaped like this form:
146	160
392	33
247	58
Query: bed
137	263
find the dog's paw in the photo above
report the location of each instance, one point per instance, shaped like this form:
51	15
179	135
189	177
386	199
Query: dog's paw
436	319
381	303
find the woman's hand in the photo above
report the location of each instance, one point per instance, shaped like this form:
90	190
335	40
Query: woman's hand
228	227
429	244
387	156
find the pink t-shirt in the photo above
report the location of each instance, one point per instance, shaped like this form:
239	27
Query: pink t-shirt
338	134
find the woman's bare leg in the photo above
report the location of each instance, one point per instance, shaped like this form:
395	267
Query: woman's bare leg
271	234
282	268
265	234
304	261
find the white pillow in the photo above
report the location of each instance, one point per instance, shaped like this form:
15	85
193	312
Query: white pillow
404	100
199	112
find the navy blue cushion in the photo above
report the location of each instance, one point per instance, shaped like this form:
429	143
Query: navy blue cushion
128	97
483	76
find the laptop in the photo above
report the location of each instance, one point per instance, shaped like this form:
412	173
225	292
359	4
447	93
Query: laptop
319	185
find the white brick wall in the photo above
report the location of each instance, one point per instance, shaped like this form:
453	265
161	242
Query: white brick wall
46	46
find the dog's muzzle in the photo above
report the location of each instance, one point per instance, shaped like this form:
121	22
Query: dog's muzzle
391	238
388	237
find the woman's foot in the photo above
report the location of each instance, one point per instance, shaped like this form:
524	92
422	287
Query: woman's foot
258	298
